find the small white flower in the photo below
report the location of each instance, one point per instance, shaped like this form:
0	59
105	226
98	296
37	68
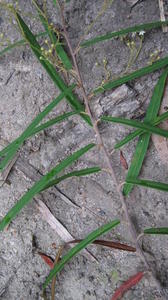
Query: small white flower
142	32
133	34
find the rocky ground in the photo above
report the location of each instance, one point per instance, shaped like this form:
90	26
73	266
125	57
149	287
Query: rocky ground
25	90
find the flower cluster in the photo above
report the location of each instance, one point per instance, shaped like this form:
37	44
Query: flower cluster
47	51
154	56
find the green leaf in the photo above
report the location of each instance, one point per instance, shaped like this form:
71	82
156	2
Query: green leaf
143	143
12	148
19	141
110	35
136	74
39	185
19	43
58	47
160	230
53	122
63	56
50	69
83	244
149	184
78	173
136	124
135	133
55	2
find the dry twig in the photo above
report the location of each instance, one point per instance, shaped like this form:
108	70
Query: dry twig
162	15
58	227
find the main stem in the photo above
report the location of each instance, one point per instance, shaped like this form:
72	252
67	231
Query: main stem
106	154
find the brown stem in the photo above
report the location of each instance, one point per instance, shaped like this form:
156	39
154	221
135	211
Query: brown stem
57	258
107	157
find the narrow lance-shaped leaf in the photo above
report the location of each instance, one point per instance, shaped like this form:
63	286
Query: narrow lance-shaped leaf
30	38
127	285
135	133
148	184
83	244
12	148
19	43
44	21
78	173
136	124
58	47
110	244
39	185
55	2
43	126
160	143
110	35
136	74
159	230
53	122
143	143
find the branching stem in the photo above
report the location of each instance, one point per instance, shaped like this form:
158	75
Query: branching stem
105	151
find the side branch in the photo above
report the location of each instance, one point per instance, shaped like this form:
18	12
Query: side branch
105	151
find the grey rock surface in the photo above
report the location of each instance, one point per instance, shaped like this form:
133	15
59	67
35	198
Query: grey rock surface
25	90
